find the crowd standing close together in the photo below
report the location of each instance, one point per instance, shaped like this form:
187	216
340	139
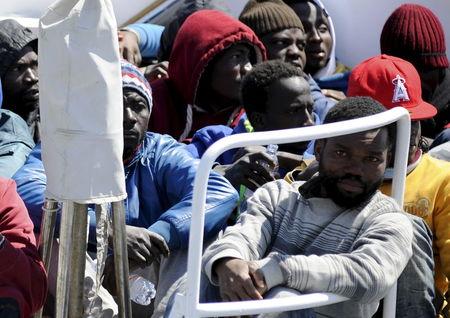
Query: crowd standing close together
312	216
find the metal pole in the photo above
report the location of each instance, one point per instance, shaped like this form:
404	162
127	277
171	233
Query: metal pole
121	259
398	190
78	260
65	247
48	224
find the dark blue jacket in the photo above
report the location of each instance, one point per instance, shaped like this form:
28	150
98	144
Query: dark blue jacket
338	81
159	183
322	104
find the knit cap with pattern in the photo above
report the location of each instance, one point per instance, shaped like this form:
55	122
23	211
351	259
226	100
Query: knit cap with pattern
266	16
414	33
133	78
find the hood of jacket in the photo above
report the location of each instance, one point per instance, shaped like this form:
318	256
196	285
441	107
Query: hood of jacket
13	38
330	68
202	36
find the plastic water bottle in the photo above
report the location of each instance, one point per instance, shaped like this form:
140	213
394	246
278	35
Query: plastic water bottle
271	150
142	291
244	192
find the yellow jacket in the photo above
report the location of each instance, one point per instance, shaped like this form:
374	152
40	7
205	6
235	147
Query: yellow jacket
427	195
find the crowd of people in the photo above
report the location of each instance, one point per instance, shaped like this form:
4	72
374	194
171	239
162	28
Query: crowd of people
317	217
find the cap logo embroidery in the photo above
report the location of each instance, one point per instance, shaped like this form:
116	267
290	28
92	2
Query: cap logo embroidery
400	92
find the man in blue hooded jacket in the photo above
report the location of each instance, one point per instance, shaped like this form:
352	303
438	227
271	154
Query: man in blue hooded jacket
159	180
16	142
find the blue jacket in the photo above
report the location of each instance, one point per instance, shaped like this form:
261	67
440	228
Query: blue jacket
16	143
338	81
159	183
322	104
149	38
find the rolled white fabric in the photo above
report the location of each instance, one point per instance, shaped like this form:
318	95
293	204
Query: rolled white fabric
81	102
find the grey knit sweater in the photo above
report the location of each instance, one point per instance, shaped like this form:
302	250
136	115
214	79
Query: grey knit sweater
313	245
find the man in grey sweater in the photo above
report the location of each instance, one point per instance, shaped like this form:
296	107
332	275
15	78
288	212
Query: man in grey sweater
336	233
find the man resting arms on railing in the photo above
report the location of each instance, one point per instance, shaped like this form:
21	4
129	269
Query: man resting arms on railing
336	233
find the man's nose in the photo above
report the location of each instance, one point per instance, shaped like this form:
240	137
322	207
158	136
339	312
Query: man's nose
129	118
245	68
293	50
354	167
314	36
309	119
31	75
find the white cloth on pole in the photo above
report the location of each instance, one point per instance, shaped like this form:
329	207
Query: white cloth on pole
81	102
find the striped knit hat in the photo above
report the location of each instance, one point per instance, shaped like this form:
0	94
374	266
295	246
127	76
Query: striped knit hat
266	16
414	33
133	78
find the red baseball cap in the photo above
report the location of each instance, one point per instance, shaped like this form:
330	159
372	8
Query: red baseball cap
393	82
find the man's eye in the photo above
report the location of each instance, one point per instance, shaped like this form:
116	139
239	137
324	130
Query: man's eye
16	68
138	106
236	56
373	159
301	46
323	29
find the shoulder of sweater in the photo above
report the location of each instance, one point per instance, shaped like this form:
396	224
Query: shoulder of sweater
381	204
278	188
284	186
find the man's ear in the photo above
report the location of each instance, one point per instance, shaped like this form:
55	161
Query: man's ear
390	156
258	120
318	146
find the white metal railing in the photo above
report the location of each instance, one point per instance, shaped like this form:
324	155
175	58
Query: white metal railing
189	306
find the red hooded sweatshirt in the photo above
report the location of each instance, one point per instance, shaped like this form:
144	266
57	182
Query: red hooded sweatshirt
22	274
203	35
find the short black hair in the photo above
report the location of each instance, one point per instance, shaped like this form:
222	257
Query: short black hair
352	108
358	107
254	84
293	2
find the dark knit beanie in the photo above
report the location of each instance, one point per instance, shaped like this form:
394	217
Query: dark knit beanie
13	38
266	16
414	33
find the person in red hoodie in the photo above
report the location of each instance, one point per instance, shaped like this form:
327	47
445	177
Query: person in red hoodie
211	53
23	281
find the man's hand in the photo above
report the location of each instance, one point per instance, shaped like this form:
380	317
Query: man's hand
144	246
252	170
129	47
157	71
257	277
239	280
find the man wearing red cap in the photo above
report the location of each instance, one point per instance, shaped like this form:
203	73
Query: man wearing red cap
395	83
415	34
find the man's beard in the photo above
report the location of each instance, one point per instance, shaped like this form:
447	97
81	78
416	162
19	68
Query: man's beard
345	199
